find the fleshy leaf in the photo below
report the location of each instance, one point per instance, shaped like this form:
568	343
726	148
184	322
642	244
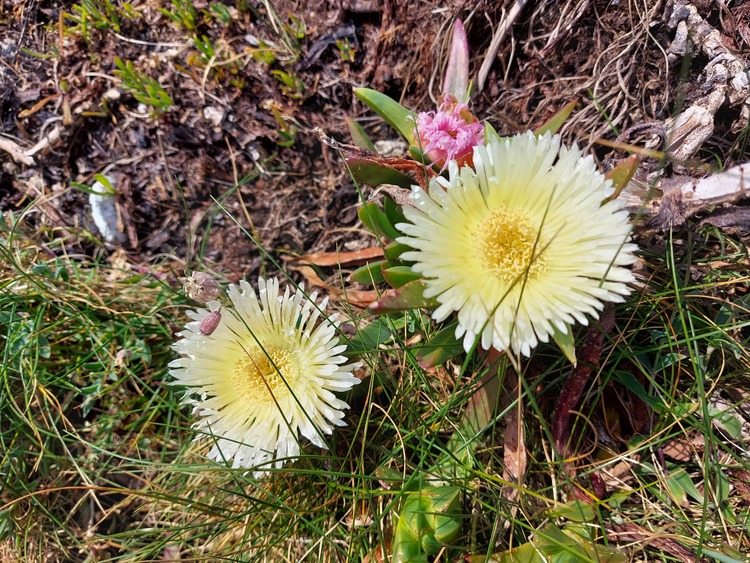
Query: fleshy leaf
429	520
393	212
369	274
622	174
457	72
374	219
575	511
373	173
370	337
410	296
416	153
398	276
566	342
557	120
490	135
359	136
397	116
394	250
441	347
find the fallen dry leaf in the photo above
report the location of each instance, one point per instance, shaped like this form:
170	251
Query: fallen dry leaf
355	298
339	258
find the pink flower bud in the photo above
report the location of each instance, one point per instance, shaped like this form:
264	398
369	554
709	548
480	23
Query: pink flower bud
210	323
451	133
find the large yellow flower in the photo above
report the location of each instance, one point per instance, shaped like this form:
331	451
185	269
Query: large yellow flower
265	375
520	245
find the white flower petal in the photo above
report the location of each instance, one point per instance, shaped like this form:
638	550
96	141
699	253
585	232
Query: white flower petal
265	376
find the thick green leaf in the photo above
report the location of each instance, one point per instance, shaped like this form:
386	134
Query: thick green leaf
566	342
394	250
399	276
370	337
557	120
400	118
374	219
441	347
359	136
430	519
393	211
490	135
575	511
553	545
373	174
410	296
369	274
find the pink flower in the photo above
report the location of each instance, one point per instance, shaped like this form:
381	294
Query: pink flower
451	133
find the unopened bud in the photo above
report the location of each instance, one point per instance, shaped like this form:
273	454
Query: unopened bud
210	323
201	287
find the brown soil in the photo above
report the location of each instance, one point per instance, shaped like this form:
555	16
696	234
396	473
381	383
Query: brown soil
194	181
177	173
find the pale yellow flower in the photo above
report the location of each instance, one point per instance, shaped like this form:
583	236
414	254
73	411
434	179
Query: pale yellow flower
520	245
265	375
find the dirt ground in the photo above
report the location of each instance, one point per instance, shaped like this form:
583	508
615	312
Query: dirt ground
190	179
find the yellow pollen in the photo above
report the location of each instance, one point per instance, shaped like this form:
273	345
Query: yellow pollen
508	245
256	372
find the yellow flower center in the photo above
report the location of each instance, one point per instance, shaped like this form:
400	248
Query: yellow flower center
256	374
509	245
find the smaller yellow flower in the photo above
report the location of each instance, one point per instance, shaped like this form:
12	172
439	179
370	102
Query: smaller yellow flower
266	374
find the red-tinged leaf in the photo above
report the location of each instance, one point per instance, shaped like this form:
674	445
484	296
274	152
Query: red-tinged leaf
441	347
572	391
400	118
340	258
622	174
457	72
369	274
373	173
556	121
399	276
410	296
359	136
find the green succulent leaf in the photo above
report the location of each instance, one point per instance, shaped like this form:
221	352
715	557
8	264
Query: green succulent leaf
359	136
370	337
399	276
373	173
409	296
369	274
377	221
397	116
441	347
394	250
429	520
566	342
